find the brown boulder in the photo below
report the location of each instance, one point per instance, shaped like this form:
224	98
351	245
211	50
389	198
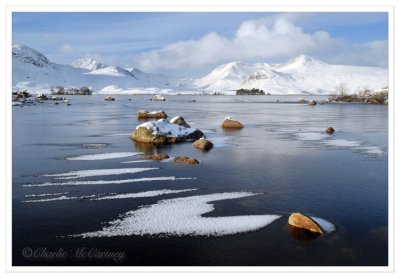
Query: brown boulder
203	144
157	156
231	123
185	159
143	114
329	130
304	222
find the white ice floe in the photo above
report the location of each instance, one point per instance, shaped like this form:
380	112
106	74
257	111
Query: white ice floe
325	225
371	150
46	194
136	161
164	128
342	143
311	136
101	182
50	199
183	216
97	172
144	194
102	156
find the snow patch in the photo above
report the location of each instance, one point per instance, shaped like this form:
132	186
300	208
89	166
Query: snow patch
324	224
144	194
342	143
165	128
97	172
371	150
102	182
103	156
183	216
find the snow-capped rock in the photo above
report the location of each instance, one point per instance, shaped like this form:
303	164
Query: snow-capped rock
88	64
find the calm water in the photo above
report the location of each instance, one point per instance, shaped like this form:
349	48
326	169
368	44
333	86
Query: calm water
280	153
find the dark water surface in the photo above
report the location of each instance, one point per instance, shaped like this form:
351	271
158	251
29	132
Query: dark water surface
341	178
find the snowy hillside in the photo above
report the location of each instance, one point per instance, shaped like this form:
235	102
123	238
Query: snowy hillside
32	71
301	75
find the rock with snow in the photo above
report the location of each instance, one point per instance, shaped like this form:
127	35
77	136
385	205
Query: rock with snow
302	221
301	100
203	144
231	123
185	159
88	64
163	132
42	97
156	156
178	120
329	130
158	98
143	114
109	99
312	102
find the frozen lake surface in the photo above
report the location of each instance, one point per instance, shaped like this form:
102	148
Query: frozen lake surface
80	183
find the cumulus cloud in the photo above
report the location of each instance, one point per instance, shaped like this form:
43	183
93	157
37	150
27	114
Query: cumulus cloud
256	40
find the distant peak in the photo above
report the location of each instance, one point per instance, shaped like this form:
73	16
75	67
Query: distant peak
29	55
300	61
88	64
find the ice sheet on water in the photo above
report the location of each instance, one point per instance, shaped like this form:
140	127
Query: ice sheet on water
102	156
97	172
371	150
183	216
144	194
46	194
311	136
324	224
342	143
50	199
102	182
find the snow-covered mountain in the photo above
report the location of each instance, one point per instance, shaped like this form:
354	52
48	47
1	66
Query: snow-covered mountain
301	75
34	72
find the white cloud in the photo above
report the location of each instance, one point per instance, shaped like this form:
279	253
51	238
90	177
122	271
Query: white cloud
257	40
66	49
267	39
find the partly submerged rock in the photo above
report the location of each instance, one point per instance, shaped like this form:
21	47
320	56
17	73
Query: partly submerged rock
109	99
203	144
178	120
301	100
157	156
302	221
231	123
312	102
163	132
143	114
158	98
42	97
185	159
329	130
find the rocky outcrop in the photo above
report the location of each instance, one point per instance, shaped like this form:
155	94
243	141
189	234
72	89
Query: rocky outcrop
203	144
329	130
158	98
109	99
231	123
301	100
302	221
185	159
143	114
163	132
312	102
178	120
157	156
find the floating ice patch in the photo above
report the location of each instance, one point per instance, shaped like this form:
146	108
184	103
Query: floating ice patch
101	182
97	172
325	225
44	195
103	156
136	161
183	216
50	199
311	136
371	150
342	143
144	194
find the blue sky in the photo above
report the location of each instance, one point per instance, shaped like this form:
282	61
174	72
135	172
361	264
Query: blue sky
194	43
